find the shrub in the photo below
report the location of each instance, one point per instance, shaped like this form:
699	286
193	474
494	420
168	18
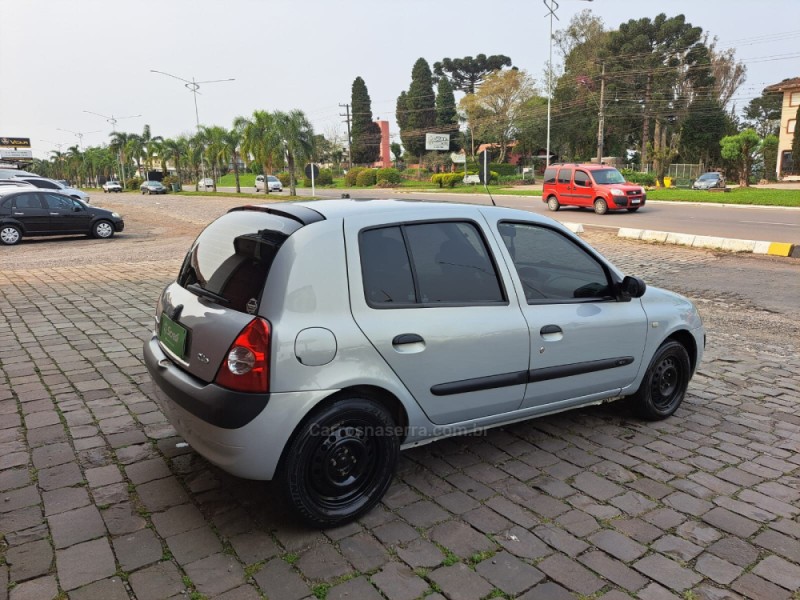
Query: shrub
448	179
284	178
134	182
324	178
169	180
391	176
438	179
352	176
367	178
639	178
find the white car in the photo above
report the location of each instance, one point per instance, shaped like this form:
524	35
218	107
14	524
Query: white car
275	184
205	184
51	184
112	186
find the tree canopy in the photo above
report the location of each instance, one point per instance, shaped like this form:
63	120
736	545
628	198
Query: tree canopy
365	133
416	109
468	73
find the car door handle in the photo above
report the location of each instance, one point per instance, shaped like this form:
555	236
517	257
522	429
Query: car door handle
18	214
407	338
550	329
54	214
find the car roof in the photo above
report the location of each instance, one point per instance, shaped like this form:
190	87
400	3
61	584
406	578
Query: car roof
588	166
5	190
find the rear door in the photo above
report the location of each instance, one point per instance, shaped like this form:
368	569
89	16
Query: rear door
584	343
433	301
564	186
29	210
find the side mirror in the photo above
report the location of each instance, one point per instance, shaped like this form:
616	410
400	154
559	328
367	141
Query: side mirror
632	287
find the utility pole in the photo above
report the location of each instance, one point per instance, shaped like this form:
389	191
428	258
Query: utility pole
349	140
601	116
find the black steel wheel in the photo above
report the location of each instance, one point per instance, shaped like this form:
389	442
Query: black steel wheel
665	382
341	461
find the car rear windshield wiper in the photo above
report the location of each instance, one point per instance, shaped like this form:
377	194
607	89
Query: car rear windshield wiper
196	289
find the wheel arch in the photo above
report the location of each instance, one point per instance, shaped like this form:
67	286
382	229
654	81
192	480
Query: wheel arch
370	392
686	339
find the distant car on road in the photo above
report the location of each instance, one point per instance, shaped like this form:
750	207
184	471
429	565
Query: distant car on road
153	187
707	181
590	186
275	184
28	211
112	186
205	184
51	184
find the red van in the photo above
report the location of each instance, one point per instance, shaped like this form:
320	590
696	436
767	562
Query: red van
590	185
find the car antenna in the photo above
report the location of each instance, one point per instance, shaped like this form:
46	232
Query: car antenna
490	194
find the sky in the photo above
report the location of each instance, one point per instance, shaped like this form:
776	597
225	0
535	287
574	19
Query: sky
61	58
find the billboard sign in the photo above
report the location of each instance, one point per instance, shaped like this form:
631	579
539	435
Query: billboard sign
16	154
15	142
437	141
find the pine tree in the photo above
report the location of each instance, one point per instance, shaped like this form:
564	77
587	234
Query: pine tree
419	109
446	114
365	132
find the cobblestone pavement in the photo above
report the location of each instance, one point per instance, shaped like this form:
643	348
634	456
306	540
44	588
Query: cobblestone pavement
98	501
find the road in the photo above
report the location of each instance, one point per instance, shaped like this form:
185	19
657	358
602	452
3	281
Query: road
761	223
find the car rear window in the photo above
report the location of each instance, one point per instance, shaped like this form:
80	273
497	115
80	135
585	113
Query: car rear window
230	260
564	175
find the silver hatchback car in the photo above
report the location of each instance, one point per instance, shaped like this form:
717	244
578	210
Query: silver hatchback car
311	342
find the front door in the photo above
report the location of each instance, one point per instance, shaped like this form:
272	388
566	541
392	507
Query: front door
433	302
585	344
582	191
66	215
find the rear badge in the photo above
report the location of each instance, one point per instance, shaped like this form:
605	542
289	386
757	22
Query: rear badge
202	358
252	305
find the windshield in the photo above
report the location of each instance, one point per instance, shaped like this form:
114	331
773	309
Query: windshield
606	176
707	176
271	178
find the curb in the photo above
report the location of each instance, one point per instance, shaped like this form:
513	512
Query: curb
711	243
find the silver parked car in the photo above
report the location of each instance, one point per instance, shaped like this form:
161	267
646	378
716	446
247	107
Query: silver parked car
311	342
51	184
275	184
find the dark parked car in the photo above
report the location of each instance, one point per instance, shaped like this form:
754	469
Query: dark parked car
310	342
34	212
153	187
707	181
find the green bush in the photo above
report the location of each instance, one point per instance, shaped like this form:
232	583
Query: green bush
352	175
367	178
390	176
448	179
324	178
639	178
134	182
169	180
284	178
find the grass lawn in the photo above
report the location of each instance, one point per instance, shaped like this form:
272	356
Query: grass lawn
756	196
246	180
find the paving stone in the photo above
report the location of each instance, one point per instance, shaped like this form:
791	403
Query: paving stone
460	538
102	476
111	494
244	592
513	511
560	540
79	525
698	533
779	543
548	591
458	582
508	573
147	470
664	518
29	560
159	581
423	514
486	520
677	548
754	587
85	563
62	500
19	498
194	545
215	574
137	549
322	563
521	542
14	478
60	476
52	455
365	553
121	519
399	495
724	519
161	494
25	536
617	545
780	571
613	570
36	589
639	530
20	520
395	532
254	546
578	523
656	592
570	574
105	589
177	519
279	582
353	589
690	505
717	569
734	550
667	572
632	503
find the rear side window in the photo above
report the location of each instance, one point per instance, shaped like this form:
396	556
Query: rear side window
550	175
28	201
230	260
565	175
428	264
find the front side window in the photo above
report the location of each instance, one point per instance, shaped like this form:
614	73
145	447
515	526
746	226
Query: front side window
58	202
428	264
553	269
582	179
565	176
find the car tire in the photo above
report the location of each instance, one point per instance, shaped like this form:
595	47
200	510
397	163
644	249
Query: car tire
103	230
600	206
553	203
10	235
664	385
326	491
634	209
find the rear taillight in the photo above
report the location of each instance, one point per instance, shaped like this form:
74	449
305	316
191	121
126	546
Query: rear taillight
245	367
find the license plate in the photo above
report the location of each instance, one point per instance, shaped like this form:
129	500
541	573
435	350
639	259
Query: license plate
635	201
172	335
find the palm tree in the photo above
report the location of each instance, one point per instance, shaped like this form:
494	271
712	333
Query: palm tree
135	149
194	155
174	150
229	153
74	163
215	143
118	144
297	134
58	163
259	139
150	146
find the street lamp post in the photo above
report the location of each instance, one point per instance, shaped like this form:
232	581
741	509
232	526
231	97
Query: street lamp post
113	121
193	86
552	7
